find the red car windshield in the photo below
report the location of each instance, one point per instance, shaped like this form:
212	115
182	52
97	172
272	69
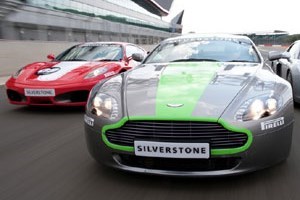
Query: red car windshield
92	52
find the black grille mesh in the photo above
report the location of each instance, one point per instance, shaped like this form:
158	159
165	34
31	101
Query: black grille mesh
177	131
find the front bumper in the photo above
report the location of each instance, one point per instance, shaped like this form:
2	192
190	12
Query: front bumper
65	95
266	150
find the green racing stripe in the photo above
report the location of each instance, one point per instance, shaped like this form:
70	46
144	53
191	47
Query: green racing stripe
180	87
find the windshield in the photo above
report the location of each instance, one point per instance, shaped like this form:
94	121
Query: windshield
204	50
92	52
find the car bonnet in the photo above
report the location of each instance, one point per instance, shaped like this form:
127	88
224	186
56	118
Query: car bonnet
187	89
56	73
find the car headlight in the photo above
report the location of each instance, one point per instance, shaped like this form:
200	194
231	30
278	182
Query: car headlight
258	107
15	75
96	72
105	106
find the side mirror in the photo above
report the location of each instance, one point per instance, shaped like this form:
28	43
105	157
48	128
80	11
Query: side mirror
51	57
137	57
275	55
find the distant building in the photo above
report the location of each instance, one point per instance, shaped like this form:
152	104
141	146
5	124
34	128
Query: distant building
268	37
136	21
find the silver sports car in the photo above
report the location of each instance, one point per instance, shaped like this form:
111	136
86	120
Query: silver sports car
198	105
287	66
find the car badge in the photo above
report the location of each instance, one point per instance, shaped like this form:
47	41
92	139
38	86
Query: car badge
176	105
48	71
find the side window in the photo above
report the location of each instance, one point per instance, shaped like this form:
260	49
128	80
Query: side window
289	48
133	49
294	50
297	53
298	57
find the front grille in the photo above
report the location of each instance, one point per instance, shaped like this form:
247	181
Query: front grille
176	164
177	131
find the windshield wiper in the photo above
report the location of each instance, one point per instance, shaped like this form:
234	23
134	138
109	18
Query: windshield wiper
76	59
239	61
106	59
195	60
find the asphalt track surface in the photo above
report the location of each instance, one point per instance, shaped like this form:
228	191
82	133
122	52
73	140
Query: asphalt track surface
43	155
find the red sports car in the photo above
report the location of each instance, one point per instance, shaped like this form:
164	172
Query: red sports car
68	78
